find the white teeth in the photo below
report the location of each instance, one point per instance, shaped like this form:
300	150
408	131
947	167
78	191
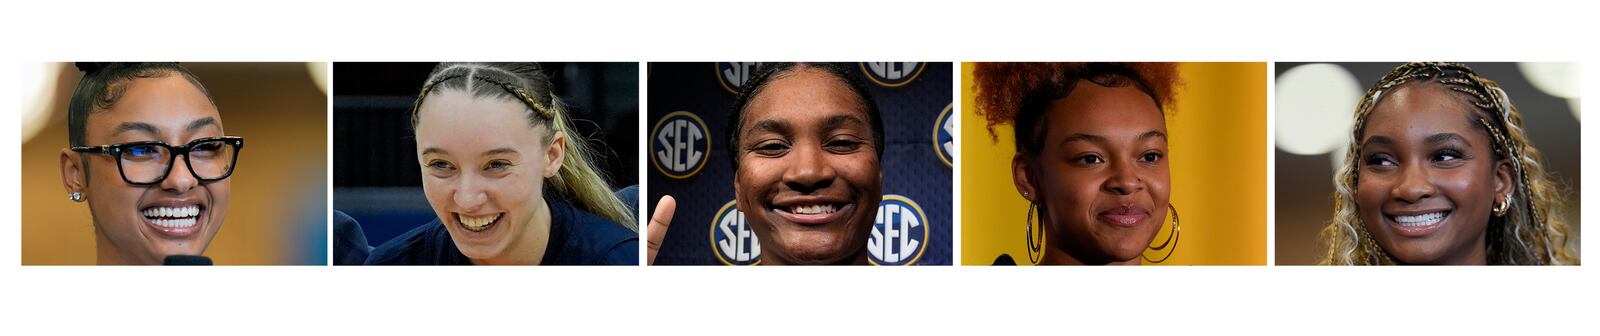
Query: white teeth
167	212
476	223
813	209
1420	220
174	223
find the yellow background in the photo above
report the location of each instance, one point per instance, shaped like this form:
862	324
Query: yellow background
281	175
1218	147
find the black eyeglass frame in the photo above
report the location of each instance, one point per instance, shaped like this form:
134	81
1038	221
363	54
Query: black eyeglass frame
116	151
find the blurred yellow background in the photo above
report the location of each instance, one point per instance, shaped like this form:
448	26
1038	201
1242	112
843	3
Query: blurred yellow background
1218	148
278	210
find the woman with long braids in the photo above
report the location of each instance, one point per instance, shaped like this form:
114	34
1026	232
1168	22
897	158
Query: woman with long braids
1440	171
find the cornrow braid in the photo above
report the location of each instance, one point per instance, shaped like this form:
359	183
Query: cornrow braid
578	180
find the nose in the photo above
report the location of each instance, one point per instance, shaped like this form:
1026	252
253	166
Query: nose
1414	185
808	170
469	194
179	179
1125	179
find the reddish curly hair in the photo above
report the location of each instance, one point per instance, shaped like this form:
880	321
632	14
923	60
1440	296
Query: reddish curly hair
1018	93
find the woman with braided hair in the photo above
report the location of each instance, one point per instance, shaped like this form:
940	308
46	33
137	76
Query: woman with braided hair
1440	171
507	179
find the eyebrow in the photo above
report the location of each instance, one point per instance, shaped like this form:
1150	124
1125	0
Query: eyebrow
136	126
1446	137
841	120
1377	140
1083	137
202	122
1100	139
432	150
498	151
769	125
152	130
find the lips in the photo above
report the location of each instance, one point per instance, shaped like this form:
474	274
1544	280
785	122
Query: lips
174	219
478	223
1125	216
1417	224
813	212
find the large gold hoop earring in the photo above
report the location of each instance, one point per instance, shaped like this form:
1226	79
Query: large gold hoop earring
1035	245
1171	239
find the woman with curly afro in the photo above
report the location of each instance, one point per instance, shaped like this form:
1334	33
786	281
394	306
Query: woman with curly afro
1091	156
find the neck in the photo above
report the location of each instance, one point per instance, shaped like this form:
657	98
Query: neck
106	252
1476	253
1055	256
860	258
530	245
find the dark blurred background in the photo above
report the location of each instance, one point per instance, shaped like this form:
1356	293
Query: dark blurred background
1304	199
376	177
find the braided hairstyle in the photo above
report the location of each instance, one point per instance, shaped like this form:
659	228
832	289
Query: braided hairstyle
527	83
1526	234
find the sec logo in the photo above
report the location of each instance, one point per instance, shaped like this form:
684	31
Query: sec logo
679	145
900	234
892	74
944	140
732	75
732	241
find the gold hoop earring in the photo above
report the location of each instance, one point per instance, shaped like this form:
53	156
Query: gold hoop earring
1171	239
1035	245
1501	209
75	197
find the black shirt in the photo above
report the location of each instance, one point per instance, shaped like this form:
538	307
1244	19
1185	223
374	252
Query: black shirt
577	237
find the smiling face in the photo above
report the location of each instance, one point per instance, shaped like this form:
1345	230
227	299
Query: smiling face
1101	177
483	170
808	176
142	224
1427	177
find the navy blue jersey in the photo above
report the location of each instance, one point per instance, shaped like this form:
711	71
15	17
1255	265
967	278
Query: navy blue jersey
577	237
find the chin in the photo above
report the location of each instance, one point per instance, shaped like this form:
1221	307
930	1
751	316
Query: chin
820	250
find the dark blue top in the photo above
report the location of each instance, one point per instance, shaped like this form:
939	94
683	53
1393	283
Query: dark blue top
577	237
349	241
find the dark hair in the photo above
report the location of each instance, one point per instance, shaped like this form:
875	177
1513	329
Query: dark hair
104	83
1020	93
772	71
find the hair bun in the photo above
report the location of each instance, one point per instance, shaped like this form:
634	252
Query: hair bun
91	67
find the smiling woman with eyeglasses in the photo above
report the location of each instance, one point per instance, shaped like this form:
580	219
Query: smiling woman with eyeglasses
128	124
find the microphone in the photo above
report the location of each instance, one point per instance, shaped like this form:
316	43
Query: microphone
1004	260
186	260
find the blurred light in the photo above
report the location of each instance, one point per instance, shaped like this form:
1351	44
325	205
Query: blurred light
38	84
319	74
1315	104
1556	79
1574	103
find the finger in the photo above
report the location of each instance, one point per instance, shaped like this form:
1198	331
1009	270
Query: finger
659	221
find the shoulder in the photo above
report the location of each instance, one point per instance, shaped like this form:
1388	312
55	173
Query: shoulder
416	247
593	240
